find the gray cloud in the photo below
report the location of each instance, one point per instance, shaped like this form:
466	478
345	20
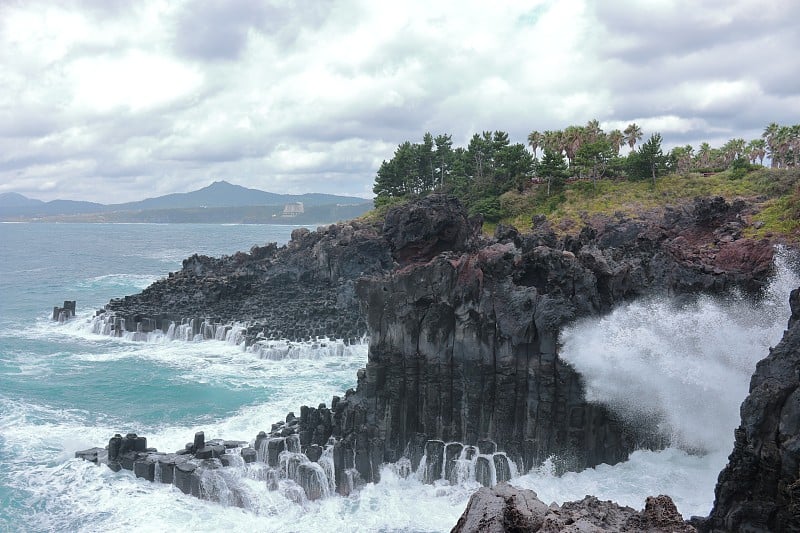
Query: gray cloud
133	100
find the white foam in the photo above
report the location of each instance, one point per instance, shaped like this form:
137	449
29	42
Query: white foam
688	479
688	367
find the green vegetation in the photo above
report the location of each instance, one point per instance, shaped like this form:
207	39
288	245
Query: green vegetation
582	173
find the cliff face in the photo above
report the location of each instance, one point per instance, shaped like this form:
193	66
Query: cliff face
460	352
463	338
759	489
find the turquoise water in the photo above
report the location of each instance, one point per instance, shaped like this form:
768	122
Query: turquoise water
63	389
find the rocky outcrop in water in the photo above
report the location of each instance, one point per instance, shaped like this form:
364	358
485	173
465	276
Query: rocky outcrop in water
505	508
295	292
64	313
219	470
759	489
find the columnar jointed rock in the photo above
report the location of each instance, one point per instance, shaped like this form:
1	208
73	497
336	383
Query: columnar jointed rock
213	469
463	343
505	508
759	489
62	314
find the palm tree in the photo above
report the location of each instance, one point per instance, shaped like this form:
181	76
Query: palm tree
757	149
770	136
732	150
704	155
553	141
685	159
794	143
572	139
633	133
783	145
535	141
593	130
616	138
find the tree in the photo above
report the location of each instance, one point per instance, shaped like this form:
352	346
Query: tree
794	143
616	138
704	155
594	157
649	161
633	134
425	161
572	138
480	150
770	135
592	130
513	165
553	140
534	141
757	149
443	156
680	159
732	150
553	169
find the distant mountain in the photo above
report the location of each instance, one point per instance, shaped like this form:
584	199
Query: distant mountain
13	199
14	206
224	194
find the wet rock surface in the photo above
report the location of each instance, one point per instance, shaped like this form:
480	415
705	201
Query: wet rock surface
505	508
65	312
759	489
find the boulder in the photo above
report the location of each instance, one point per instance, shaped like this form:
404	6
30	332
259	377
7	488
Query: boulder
505	508
420	230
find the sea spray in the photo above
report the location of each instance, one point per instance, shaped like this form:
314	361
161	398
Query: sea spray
688	365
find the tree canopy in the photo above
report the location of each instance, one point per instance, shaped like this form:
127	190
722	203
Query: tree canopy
491	164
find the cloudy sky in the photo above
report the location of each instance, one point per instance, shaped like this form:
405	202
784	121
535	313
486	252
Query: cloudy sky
114	101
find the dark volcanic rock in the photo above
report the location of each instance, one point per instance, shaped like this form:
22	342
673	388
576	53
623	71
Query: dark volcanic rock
505	508
295	292
62	314
759	489
501	509
463	344
421	230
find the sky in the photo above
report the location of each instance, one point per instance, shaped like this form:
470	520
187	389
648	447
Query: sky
115	101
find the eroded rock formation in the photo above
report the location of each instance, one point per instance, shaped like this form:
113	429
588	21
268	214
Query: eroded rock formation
463	345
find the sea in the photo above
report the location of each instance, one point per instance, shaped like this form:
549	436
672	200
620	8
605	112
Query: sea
63	388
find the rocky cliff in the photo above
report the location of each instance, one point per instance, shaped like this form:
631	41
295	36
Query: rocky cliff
294	292
463	364
464	333
759	489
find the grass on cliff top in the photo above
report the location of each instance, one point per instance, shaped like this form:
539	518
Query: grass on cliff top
776	193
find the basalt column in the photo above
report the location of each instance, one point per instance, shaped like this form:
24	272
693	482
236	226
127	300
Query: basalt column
459	352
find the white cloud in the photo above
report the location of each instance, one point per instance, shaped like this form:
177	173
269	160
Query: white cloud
136	81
